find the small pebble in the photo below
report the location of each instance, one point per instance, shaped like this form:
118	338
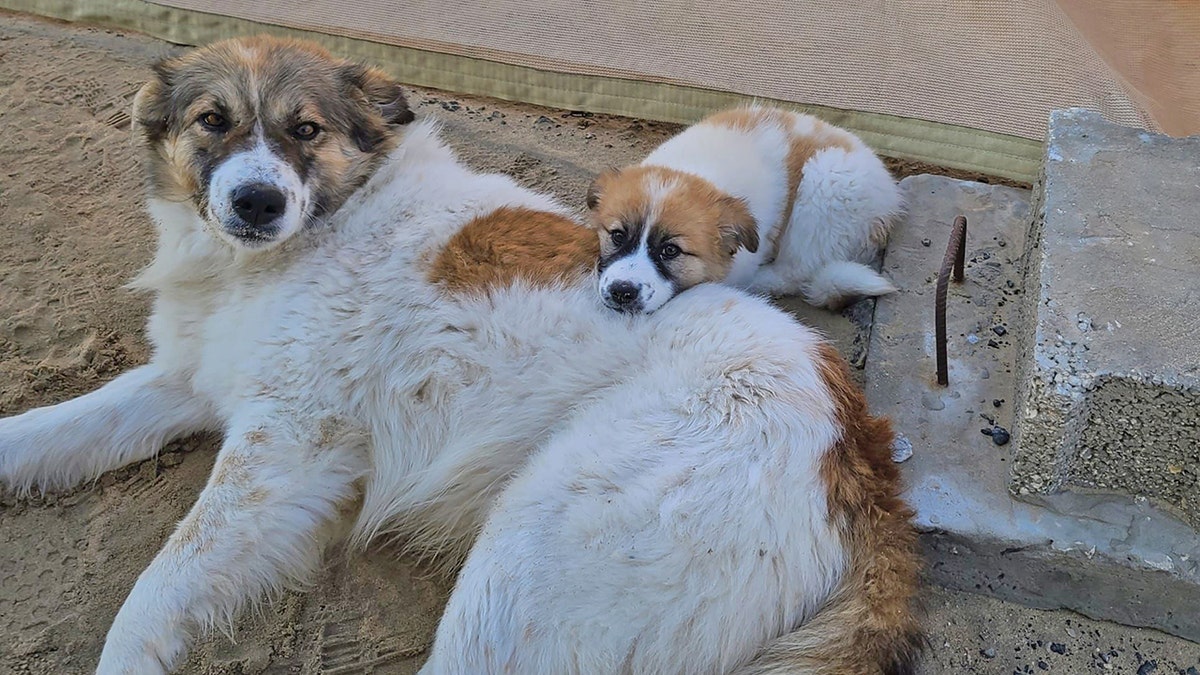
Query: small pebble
1192	670
902	449
1147	667
999	330
1058	648
999	435
1043	665
986	431
993	344
926	242
972	339
996	403
989	653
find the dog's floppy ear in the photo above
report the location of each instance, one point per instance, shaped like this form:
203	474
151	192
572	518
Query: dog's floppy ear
381	91
598	187
152	104
738	227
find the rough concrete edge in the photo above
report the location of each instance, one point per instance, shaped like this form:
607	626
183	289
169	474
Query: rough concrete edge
1044	577
1034	396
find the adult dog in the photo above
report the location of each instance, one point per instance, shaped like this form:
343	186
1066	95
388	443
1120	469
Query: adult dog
378	330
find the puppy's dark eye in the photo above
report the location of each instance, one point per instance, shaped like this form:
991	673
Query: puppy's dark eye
214	122
306	131
669	251
617	236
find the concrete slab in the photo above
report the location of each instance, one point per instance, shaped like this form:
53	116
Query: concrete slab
1105	556
1110	370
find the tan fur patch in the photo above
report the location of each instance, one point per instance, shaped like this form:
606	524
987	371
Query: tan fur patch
706	223
879	593
510	244
749	118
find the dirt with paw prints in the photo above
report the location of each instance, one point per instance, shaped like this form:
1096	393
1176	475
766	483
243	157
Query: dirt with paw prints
73	231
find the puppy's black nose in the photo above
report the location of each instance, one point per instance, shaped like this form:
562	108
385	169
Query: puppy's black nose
623	292
258	204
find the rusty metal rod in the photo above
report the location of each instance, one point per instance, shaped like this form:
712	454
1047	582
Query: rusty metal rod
955	259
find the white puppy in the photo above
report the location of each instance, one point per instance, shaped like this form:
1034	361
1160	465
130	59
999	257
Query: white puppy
376	330
763	199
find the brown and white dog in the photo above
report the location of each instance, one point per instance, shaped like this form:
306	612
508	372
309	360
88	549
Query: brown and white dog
763	199
395	345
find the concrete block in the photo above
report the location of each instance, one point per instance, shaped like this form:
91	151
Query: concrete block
1107	556
1109	381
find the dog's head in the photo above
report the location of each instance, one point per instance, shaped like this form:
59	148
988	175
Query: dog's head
663	231
264	136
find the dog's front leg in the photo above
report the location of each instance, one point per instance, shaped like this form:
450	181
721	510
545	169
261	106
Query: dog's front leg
260	524
125	421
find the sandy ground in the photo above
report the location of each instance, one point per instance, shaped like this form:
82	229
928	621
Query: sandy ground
72	232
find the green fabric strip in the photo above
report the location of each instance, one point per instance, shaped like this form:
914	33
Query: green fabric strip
937	143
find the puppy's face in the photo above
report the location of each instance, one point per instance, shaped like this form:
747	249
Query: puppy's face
663	231
264	137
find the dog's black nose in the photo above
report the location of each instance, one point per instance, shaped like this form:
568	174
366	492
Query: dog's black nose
623	292
258	204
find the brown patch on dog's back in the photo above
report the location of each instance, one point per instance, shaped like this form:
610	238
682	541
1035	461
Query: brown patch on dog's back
511	244
749	118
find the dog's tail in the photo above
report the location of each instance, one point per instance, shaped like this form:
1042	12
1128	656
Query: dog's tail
864	630
870	625
841	282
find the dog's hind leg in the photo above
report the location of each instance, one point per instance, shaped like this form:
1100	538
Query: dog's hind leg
126	420
259	525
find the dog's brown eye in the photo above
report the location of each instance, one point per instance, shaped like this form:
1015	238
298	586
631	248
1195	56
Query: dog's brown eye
214	122
669	251
306	131
617	236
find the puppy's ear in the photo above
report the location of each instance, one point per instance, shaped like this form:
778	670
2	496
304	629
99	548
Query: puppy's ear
598	187
738	228
381	91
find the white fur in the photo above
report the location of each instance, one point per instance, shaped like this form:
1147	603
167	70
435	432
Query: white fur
842	197
646	486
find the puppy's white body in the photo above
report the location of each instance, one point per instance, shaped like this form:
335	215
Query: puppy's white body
840	211
647	486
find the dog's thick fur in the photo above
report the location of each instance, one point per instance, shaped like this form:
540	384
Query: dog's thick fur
696	491
764	199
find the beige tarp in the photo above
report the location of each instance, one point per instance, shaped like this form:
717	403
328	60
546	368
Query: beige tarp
966	83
